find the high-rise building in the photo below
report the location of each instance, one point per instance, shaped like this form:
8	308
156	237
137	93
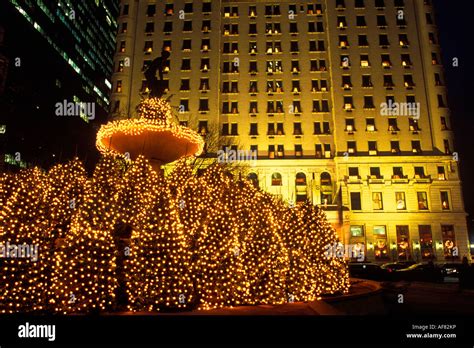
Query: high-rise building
3	62
58	52
3	78
343	101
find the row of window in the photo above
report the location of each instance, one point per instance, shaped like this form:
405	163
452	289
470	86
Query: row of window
400	201
324	150
275	47
233	29
361	4
273	107
268	10
319	106
278	151
320	128
273	28
277	106
276	65
381	20
391	105
403	250
345	61
397	173
276	86
275	128
272	66
370	126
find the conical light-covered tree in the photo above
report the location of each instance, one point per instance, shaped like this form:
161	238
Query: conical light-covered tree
266	257
330	271
158	269
296	237
198	241
63	191
7	184
181	173
22	240
217	273
138	181
84	273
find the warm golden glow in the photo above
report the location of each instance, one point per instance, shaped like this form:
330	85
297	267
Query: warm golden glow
155	118
197	242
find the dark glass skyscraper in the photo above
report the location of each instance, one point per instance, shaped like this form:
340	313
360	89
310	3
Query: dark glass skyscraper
58	52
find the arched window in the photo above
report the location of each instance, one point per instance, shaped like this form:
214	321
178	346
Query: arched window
325	179
326	188
300	179
276	179
253	178
301	189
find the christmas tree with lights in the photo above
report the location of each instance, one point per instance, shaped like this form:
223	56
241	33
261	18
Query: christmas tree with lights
265	258
22	240
84	278
7	184
217	273
330	271
137	181
158	269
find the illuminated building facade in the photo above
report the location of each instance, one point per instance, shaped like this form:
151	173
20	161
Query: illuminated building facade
344	103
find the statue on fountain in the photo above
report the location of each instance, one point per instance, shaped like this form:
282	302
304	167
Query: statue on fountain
157	87
154	134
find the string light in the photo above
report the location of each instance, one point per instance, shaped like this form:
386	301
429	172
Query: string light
155	117
197	241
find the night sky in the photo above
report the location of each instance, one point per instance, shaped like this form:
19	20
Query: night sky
455	30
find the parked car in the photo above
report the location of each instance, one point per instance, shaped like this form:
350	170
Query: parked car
451	269
395	266
424	272
367	270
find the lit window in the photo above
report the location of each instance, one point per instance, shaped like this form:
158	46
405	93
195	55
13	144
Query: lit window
426	242
118	87
441	173
422	200
449	241
357	231
444	200
416	146
377	202
276	179
400	201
